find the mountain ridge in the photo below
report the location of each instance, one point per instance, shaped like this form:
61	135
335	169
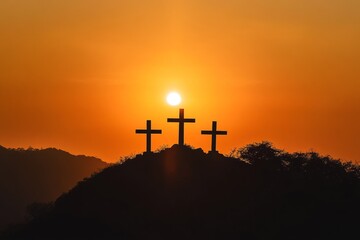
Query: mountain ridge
38	175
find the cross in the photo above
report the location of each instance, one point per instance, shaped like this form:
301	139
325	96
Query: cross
181	120
148	131
214	133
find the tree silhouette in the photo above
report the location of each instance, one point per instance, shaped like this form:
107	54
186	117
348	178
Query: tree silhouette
263	156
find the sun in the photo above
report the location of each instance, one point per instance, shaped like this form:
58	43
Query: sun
173	99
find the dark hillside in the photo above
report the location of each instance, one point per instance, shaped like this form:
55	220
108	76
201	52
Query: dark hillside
181	193
28	176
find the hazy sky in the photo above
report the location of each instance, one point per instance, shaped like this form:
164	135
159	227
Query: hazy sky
81	75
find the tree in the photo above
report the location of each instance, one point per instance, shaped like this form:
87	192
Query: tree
262	155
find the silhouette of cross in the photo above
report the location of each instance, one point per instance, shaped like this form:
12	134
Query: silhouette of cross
181	120
148	131
213	133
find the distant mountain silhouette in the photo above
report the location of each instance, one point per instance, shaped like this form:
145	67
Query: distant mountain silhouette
183	193
31	175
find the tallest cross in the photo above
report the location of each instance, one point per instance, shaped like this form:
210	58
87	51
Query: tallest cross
181	120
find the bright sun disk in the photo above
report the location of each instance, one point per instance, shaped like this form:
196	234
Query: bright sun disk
173	98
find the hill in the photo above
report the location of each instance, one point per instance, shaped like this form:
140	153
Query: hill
31	175
183	193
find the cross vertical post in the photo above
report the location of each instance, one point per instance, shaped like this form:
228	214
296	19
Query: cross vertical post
181	120
214	132
181	127
148	131
213	136
148	136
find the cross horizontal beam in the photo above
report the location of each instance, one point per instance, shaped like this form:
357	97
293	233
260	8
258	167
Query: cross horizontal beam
190	120
207	132
140	131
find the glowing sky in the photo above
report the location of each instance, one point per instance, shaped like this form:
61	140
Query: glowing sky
81	75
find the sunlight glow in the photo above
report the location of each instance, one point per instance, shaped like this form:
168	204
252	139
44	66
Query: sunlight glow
173	98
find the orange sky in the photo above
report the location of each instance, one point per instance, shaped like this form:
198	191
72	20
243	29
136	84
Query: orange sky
81	75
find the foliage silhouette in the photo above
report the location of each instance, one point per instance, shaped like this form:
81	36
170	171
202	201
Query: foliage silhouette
183	193
31	175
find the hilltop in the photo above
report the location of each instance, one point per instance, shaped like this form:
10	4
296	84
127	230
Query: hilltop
33	175
183	193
